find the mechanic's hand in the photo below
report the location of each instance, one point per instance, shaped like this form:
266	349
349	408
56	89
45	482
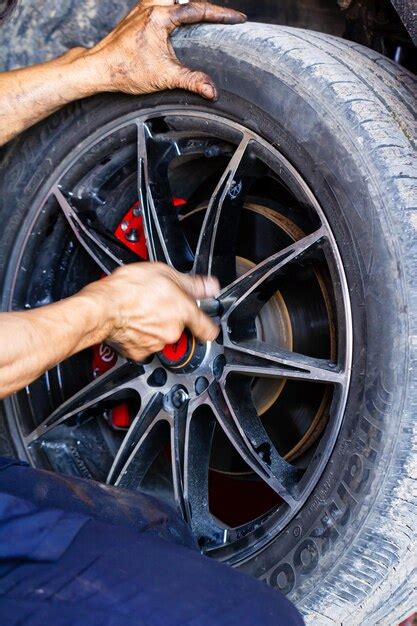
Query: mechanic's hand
149	305
138	57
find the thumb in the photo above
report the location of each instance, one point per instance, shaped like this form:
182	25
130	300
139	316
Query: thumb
190	80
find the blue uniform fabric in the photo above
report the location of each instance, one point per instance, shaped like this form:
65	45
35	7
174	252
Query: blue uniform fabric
99	556
80	499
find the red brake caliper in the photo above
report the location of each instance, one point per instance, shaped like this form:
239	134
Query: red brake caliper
131	233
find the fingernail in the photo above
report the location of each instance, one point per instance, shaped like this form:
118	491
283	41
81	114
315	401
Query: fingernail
239	17
208	91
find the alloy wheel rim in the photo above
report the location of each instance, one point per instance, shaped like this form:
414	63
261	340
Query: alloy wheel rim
239	353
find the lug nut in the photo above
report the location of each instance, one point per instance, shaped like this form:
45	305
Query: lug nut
212	151
124	226
179	397
136	211
133	235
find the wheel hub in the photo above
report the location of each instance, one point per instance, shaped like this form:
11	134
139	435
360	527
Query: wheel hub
186	365
178	354
185	355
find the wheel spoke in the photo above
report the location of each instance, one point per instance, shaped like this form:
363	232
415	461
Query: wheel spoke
216	247
178	435
149	447
142	444
192	438
120	378
165	238
140	427
107	257
190	445
237	416
256	358
247	287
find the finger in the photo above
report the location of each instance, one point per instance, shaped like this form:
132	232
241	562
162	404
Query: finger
145	4
181	77
201	326
199	287
156	3
162	3
204	12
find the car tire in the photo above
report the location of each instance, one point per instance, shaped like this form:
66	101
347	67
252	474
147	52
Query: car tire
343	115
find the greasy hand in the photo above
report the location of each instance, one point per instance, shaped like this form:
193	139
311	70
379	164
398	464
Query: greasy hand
150	304
137	57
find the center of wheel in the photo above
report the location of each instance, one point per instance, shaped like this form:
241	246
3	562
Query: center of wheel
181	354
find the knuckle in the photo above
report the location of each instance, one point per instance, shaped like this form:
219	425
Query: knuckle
148	12
188	13
195	10
171	274
152	11
157	346
164	269
135	355
118	271
189	77
154	14
173	334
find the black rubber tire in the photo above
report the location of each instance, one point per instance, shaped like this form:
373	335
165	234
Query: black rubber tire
344	117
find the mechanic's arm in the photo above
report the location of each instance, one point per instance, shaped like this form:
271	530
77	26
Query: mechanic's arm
137	57
138	310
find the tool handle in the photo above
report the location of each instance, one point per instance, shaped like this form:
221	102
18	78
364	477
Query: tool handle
210	306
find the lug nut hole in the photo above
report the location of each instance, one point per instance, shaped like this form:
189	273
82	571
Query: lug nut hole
158	378
201	385
218	366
